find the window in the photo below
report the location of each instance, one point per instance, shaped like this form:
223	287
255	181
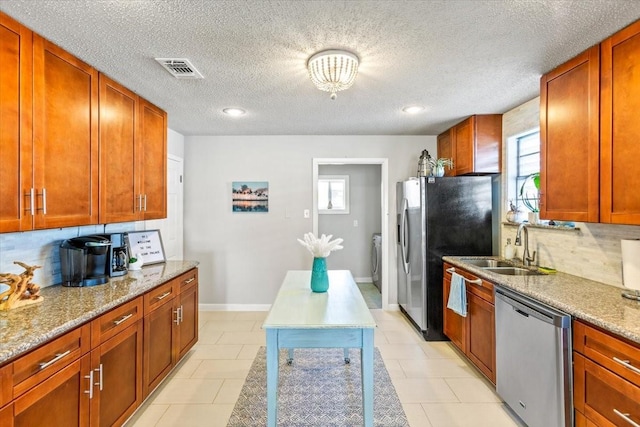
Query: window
527	150
333	194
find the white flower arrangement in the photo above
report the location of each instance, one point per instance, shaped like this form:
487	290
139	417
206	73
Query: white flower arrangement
322	247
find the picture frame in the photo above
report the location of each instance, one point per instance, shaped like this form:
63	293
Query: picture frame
250	196
147	244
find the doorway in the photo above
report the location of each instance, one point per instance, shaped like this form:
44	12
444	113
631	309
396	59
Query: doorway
376	164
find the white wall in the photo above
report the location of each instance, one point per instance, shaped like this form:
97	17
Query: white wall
365	207
244	256
594	251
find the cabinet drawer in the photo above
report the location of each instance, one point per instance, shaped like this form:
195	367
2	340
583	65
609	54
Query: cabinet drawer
115	321
613	353
159	296
187	278
38	365
605	398
475	285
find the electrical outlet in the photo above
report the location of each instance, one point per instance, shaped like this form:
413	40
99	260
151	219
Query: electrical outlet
306	213
355	222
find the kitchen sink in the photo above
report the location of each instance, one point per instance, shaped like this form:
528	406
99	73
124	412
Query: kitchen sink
483	263
513	271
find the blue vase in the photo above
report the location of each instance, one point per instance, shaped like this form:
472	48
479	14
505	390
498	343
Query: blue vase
319	276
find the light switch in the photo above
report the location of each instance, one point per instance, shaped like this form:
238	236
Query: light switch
306	213
355	222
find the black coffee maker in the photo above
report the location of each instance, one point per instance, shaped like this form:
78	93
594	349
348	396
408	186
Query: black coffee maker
83	261
118	257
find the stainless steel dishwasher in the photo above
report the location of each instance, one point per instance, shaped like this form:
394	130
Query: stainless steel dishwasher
533	360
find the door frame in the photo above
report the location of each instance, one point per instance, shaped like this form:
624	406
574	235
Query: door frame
384	208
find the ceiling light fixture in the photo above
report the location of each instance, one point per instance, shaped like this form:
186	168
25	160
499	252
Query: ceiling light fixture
333	70
413	109
234	112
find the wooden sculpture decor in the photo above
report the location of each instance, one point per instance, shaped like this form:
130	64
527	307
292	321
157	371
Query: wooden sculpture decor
21	291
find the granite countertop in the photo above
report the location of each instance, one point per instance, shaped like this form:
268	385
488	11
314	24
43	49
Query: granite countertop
594	302
63	309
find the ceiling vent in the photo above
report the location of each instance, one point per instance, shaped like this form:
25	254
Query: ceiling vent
180	68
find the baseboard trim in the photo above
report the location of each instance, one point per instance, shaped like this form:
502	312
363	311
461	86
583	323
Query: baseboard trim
234	307
363	280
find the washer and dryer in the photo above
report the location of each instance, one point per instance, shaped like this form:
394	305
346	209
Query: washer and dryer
376	260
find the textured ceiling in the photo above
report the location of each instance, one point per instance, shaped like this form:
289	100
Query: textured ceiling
454	57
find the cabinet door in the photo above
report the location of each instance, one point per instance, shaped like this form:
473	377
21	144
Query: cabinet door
15	138
153	140
61	400
464	146
65	138
117	367
620	127
569	140
454	324
188	326
119	174
446	150
160	340
481	336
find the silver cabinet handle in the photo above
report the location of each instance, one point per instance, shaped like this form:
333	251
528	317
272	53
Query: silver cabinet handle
186	282
44	201
90	391
59	356
99	371
626	418
145	202
181	313
32	201
177	313
122	319
627	365
140	202
475	282
163	296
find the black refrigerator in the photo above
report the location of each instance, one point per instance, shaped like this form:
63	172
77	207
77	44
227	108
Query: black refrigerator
438	217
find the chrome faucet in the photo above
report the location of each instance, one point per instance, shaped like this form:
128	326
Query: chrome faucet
527	259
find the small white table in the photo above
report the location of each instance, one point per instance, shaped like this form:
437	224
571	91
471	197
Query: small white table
338	318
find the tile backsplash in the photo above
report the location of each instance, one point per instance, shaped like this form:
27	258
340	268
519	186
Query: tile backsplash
41	248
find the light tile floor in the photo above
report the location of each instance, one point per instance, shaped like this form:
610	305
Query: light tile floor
437	387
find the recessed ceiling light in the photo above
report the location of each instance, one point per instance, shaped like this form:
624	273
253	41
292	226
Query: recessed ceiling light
234	112
413	109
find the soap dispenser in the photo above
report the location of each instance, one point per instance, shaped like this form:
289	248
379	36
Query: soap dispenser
509	250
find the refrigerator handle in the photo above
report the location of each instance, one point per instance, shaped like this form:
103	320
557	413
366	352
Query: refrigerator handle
404	225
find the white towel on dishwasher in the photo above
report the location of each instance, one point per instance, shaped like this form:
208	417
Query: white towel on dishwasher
458	295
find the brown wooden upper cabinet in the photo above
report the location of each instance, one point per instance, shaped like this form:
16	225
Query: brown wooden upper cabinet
54	141
569	141
133	153
474	145
49	177
16	98
589	127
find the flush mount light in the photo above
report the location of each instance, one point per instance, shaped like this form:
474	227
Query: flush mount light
234	112
413	109
333	70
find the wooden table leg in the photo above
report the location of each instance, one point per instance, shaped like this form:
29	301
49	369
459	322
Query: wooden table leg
366	364
272	377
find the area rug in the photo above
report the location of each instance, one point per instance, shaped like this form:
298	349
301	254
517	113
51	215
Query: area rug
318	390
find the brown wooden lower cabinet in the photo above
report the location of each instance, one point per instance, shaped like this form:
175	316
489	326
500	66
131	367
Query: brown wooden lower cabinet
606	380
99	373
61	400
474	334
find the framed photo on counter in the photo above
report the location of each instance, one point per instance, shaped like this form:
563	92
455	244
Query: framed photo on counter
147	244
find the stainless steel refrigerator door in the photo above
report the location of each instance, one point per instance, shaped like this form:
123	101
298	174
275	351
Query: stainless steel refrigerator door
412	236
402	246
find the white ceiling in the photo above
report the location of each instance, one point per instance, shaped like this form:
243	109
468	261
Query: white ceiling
454	57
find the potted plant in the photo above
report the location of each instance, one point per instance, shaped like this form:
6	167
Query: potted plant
438	165
530	195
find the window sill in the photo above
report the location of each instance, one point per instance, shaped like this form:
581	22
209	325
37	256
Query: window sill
543	226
